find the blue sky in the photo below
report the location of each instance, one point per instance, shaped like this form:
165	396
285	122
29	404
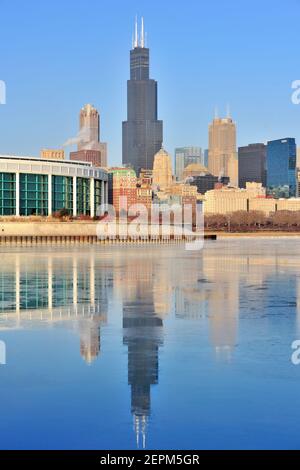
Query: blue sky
57	55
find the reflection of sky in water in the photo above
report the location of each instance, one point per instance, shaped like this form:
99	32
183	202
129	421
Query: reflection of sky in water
185	349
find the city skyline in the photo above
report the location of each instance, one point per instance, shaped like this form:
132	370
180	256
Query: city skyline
180	100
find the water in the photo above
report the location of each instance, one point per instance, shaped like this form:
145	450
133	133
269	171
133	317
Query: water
155	347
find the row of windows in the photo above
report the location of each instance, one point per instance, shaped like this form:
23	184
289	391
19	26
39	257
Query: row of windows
34	194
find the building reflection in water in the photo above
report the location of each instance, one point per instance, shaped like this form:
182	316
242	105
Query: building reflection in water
143	309
73	290
57	289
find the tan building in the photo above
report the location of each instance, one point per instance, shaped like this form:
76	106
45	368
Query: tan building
144	194
226	200
89	121
298	157
267	205
52	154
292	204
162	170
194	169
222	154
253	198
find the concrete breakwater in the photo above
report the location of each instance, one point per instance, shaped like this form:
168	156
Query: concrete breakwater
28	233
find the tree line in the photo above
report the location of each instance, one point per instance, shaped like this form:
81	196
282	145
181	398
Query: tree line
240	221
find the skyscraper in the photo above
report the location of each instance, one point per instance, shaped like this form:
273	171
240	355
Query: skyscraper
162	170
222	154
281	167
185	156
252	164
142	132
90	148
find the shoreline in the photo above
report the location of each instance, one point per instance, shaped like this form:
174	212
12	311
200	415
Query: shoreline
261	234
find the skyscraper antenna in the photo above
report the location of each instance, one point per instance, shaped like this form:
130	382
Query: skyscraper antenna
216	112
142	33
136	39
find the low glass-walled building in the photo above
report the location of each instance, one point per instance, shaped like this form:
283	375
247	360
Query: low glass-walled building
29	186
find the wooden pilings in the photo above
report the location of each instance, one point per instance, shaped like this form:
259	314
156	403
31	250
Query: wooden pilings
80	240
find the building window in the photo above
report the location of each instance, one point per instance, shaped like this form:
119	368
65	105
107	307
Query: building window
33	194
83	196
62	193
7	194
98	200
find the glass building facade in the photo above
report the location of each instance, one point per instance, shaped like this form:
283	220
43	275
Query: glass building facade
33	194
83	196
29	186
98	196
142	132
7	193
252	164
185	156
281	167
62	193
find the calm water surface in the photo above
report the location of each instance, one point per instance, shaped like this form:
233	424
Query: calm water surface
125	348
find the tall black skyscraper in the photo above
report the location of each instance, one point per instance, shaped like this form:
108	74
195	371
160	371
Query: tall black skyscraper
252	164
142	132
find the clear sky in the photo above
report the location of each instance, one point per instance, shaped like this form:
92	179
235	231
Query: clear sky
57	55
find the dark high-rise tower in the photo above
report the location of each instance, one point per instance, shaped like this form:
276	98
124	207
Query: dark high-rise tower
142	132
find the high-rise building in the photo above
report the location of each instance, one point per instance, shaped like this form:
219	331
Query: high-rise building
122	183
222	154
252	164
281	167
162	170
89	137
142	132
206	182
92	156
298	157
185	156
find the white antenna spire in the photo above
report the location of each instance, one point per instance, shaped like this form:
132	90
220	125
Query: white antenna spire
216	112
136	39
142	34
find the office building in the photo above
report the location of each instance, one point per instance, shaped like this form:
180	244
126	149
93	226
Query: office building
92	156
89	136
222	155
252	164
162	170
281	167
185	156
207	182
122	188
226	200
142	132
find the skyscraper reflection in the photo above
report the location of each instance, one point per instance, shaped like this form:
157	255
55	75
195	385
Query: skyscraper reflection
159	289
143	335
